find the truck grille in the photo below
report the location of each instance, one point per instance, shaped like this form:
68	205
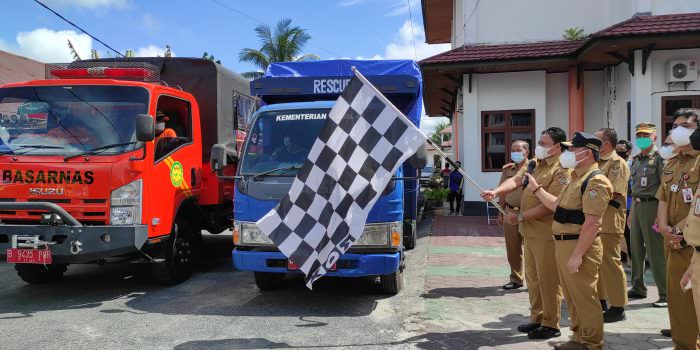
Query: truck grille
94	211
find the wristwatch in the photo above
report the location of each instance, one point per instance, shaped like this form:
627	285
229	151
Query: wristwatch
521	217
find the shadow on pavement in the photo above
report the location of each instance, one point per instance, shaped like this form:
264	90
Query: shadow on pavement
470	292
215	289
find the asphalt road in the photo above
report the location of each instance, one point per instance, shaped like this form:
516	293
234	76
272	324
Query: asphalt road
118	307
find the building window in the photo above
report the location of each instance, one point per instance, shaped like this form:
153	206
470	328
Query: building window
670	104
498	130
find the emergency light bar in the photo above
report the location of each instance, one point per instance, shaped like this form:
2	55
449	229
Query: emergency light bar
111	70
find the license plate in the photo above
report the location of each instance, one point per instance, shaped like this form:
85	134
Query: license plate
29	256
293	266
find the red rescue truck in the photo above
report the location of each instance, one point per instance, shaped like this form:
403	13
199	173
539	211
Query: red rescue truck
108	160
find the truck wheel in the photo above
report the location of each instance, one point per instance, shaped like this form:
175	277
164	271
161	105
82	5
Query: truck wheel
35	274
269	280
409	236
178	254
391	284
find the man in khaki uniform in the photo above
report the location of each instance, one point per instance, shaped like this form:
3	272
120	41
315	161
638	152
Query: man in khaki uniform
645	171
691	232
536	226
612	284
578	216
678	185
519	153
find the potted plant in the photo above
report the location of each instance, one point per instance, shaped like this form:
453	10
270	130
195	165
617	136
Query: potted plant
436	196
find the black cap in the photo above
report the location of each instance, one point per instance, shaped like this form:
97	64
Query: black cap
695	139
584	139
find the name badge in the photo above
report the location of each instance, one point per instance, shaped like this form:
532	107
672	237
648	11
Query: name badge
696	211
687	195
643	181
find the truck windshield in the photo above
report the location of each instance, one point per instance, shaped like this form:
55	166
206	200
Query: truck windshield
67	120
281	140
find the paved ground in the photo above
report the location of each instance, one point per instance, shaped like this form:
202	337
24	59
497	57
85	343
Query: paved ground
451	301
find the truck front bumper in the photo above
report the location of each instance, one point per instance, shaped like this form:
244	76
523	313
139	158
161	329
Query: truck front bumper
81	244
349	265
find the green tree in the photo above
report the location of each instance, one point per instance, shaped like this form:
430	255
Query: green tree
284	44
436	137
574	33
207	56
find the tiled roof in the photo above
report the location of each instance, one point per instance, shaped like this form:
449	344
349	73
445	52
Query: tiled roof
473	53
645	25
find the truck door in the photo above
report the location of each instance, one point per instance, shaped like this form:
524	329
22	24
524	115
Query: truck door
177	162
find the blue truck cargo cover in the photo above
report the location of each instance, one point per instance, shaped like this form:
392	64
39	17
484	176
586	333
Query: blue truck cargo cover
343	68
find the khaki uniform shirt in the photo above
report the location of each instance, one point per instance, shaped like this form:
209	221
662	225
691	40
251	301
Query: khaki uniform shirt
594	200
616	170
510	170
646	168
680	174
550	174
691	231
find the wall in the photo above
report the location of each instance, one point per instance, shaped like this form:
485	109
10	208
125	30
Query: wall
503	91
594	101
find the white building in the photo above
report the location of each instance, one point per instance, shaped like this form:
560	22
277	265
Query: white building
511	74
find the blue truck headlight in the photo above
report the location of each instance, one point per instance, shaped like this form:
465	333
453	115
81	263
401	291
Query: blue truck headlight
374	235
250	234
126	204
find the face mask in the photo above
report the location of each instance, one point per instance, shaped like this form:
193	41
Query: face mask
160	127
517	157
681	136
568	159
644	142
622	154
541	152
666	152
287	141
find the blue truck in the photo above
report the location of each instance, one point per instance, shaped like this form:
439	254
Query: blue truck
296	99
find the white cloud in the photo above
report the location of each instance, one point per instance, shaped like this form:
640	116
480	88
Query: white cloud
402	47
428	124
48	46
89	4
150	51
349	2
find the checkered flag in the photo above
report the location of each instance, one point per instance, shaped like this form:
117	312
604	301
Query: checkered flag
365	139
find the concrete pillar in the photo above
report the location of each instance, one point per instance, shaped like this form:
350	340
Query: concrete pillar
576	100
640	95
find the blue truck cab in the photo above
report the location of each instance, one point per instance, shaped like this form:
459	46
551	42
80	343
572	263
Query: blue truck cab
296	98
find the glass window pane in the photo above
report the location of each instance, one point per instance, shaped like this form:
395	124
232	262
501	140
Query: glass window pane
521	119
673	105
494	150
494	120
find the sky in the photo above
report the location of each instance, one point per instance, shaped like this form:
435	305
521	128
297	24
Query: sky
357	29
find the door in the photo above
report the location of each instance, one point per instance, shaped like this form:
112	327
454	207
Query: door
670	104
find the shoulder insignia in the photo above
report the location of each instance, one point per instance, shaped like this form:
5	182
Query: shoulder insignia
593	193
563	180
615	171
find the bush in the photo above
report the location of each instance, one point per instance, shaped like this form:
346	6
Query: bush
437	194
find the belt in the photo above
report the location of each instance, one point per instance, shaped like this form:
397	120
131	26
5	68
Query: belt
566	236
615	204
645	199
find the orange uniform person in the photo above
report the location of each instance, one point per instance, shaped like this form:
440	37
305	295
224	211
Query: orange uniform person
161	131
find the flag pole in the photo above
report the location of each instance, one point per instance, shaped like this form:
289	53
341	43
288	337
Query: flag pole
429	141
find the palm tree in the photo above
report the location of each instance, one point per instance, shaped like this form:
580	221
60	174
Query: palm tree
436	137
574	33
284	44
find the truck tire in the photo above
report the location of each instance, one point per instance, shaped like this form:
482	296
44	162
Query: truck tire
36	274
269	280
177	254
391	284
409	236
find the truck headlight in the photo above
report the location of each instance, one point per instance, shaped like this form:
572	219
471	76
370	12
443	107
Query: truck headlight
126	204
250	234
374	235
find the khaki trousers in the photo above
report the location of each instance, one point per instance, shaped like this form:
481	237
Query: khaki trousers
580	293
612	284
695	282
542	282
681	306
514	251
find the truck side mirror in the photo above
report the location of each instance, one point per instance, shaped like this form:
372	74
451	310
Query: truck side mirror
420	159
218	159
145	129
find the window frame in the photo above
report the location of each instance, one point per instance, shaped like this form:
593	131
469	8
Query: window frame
667	118
189	117
507	129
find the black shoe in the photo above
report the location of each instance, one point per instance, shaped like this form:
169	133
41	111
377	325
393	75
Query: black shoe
544	333
526	328
666	333
512	285
660	303
604	305
614	314
633	294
